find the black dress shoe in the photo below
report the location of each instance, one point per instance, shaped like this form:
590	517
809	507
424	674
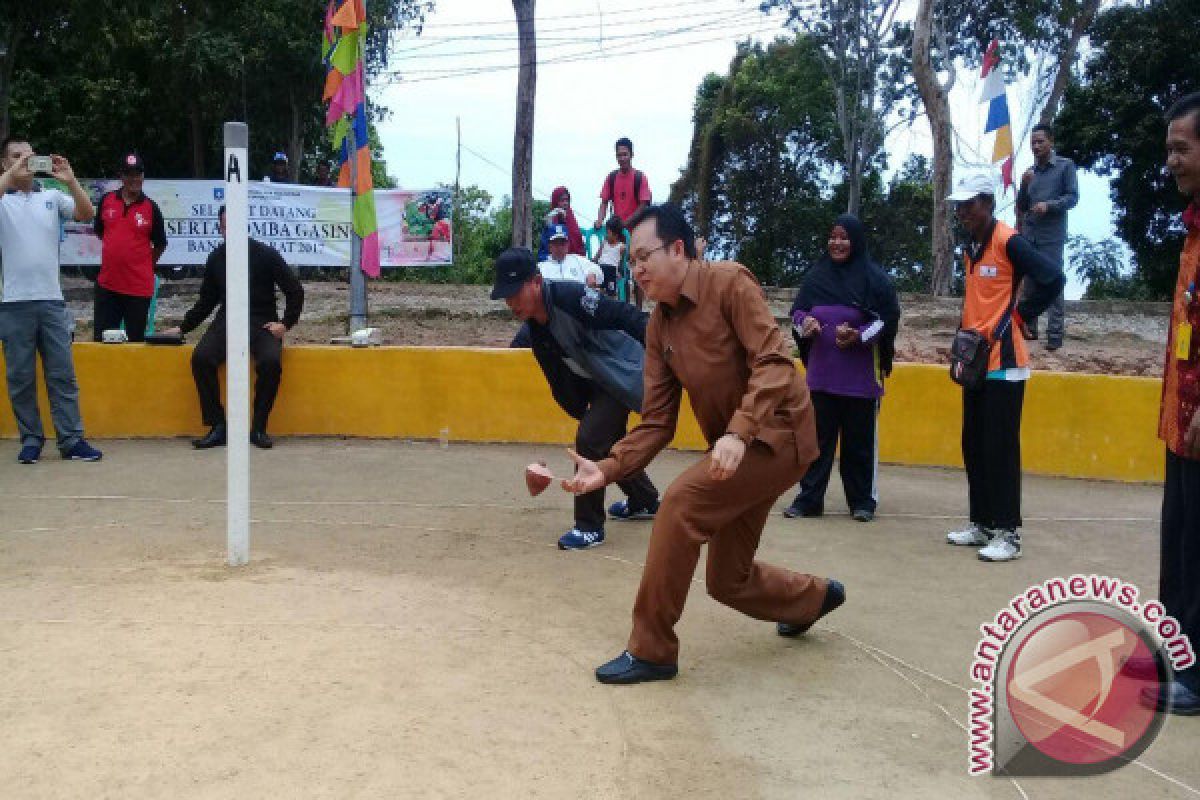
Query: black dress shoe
214	438
628	668
261	440
1173	697
835	595
795	510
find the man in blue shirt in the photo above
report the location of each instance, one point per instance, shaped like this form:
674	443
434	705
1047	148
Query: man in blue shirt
1048	191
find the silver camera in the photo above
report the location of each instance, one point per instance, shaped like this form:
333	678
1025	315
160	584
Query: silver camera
41	165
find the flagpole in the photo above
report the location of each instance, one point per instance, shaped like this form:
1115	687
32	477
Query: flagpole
358	280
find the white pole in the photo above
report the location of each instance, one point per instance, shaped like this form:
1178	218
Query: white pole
237	343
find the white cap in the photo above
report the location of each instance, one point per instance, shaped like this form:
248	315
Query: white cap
970	186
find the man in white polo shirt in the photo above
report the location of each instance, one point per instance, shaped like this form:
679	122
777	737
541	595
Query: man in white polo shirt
565	266
33	316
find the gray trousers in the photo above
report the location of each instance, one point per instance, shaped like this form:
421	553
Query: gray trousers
40	327
1056	319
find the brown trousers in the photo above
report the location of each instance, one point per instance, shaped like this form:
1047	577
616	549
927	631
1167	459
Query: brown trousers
729	516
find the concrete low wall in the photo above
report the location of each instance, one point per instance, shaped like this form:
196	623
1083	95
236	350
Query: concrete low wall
1088	426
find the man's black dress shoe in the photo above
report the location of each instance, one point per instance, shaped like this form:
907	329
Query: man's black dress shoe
214	438
835	595
261	440
627	668
1173	697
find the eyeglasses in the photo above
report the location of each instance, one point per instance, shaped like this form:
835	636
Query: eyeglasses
637	258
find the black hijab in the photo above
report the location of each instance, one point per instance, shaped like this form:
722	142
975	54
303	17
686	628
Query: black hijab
858	283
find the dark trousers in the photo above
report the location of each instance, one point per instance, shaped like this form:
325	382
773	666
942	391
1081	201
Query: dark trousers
113	310
729	516
602	426
1179	566
210	354
852	419
1056	316
991	449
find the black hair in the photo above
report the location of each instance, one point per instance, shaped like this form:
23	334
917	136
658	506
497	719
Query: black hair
12	138
669	224
1046	129
614	224
1188	104
221	210
624	142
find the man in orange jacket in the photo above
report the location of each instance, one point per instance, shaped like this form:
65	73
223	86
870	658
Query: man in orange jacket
997	259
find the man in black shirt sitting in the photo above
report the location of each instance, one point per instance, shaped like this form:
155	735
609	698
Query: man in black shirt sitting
267	270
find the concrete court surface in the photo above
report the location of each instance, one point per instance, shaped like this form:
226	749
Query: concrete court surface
407	628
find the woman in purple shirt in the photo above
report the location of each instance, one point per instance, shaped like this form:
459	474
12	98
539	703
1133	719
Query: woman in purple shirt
845	319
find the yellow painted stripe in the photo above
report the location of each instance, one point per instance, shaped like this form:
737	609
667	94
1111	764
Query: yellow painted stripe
1088	426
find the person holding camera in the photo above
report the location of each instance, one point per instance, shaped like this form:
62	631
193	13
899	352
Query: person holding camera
33	316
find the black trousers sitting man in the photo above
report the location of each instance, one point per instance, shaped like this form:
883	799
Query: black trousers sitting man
267	270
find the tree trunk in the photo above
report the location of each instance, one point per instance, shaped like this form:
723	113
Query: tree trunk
522	171
295	140
1087	13
937	110
196	135
854	201
8	65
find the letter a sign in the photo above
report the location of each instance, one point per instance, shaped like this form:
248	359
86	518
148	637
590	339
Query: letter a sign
234	169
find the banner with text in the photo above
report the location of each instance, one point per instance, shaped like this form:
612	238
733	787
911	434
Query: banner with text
309	225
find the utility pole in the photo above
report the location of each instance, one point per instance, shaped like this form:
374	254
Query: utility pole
522	173
455	214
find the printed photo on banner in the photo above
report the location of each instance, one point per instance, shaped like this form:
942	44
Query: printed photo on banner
311	226
415	227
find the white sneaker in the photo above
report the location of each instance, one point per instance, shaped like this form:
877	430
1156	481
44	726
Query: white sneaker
971	536
1005	546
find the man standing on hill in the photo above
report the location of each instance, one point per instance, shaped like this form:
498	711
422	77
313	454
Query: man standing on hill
627	190
1048	191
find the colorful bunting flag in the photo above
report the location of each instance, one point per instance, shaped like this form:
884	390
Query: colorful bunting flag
998	121
342	47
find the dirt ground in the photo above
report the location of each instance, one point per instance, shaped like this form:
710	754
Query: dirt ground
1105	338
407	628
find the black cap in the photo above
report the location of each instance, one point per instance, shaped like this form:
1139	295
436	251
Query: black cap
132	162
514	267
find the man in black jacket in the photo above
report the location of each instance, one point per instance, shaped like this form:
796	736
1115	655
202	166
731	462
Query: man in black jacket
591	350
267	270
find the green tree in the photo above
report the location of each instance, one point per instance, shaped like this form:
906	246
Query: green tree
1102	265
757	177
1144	58
162	77
859	49
899	221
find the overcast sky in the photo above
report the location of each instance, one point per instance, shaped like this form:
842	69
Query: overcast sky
607	69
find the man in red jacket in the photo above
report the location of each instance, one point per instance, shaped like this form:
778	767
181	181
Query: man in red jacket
131	227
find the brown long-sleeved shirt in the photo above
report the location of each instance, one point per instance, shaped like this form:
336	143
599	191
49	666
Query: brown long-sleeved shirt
720	343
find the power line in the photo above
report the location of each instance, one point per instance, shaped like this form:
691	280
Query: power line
576	18
567	41
537	189
447	74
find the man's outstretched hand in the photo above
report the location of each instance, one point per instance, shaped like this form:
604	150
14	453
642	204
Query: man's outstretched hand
588	477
